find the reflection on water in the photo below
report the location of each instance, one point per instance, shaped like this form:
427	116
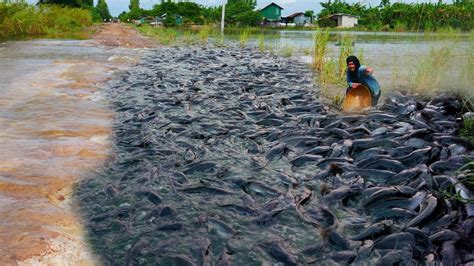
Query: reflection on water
53	127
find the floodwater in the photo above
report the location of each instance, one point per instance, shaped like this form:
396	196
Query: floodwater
394	56
54	126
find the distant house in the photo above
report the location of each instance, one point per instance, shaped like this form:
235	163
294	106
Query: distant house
299	19
344	20
271	13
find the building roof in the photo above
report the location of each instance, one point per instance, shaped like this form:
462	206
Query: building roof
271	5
295	15
343	14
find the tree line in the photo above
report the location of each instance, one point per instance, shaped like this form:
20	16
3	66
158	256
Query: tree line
99	12
386	16
402	16
238	12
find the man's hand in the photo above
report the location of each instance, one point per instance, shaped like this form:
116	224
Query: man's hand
355	85
369	70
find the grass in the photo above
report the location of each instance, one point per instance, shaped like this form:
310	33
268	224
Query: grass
321	39
287	51
431	71
329	75
346	49
468	169
331	70
219	41
465	176
188	38
467	131
203	34
244	37
21	19
306	51
261	43
165	36
444	68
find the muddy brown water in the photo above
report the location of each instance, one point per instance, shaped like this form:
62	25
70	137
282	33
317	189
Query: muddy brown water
54	126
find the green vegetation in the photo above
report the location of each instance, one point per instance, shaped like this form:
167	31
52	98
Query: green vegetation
103	10
287	51
165	36
331	70
219	41
242	13
244	37
134	4
21	19
69	3
444	68
261	43
321	39
346	49
468	181
465	175
432	70
238	13
203	34
403	16
467	131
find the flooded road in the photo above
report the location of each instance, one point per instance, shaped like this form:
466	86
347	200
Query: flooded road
54	128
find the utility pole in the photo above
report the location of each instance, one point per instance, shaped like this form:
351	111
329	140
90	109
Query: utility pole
223	16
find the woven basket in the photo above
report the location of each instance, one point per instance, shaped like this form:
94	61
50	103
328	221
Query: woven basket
357	99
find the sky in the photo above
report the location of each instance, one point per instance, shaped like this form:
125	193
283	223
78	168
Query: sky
290	6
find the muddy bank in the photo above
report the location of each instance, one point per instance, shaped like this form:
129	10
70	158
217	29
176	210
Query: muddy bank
120	35
54	127
226	156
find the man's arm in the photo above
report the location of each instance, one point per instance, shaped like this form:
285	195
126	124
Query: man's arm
365	70
369	71
348	78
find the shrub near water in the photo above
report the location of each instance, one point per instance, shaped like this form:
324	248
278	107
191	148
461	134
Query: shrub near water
321	39
21	20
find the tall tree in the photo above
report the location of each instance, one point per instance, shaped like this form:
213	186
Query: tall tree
103	10
71	3
134	5
384	3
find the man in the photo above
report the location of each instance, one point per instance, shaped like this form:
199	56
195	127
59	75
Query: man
358	75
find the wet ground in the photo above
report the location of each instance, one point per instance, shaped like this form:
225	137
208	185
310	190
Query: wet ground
119	35
226	156
54	127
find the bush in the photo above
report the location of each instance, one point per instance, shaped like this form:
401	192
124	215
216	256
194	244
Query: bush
327	23
467	130
22	19
249	18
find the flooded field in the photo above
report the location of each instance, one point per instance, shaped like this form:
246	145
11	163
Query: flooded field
394	56
226	156
54	127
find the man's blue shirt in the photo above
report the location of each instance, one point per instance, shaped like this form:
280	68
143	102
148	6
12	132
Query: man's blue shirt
367	80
